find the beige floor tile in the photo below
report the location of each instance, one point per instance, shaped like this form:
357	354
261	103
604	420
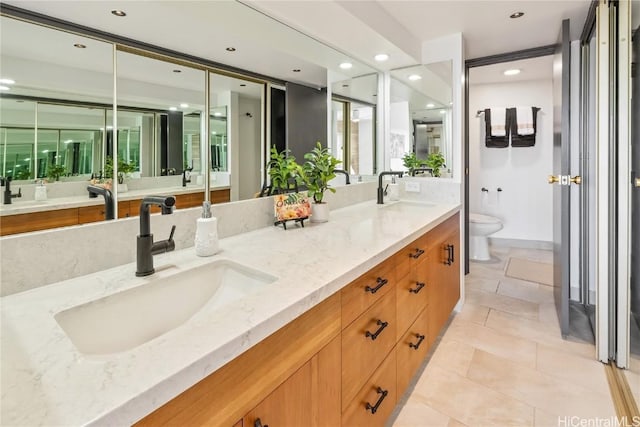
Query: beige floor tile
504	303
551	394
532	271
456	423
481	284
452	356
480	337
538	255
471	403
539	332
417	414
528	291
473	313
548	314
584	371
483	271
633	379
545	419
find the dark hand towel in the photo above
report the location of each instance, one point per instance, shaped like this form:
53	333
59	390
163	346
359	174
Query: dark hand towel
522	140
495	141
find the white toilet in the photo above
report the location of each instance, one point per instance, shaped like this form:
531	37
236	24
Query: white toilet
480	227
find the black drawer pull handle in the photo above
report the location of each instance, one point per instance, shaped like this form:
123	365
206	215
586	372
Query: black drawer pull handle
417	344
380	282
449	249
452	253
374	335
383	394
417	253
419	285
258	423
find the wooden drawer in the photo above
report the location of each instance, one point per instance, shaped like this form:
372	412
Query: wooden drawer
440	233
88	214
411	298
220	196
365	343
366	290
359	410
412	349
408	257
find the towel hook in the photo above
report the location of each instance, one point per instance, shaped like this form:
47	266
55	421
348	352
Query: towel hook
485	190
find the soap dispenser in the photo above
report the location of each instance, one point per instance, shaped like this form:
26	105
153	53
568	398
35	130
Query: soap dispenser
207	233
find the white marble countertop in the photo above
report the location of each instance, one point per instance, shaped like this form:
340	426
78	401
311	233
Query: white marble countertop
45	380
19	206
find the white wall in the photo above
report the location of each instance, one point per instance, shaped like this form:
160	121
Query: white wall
525	204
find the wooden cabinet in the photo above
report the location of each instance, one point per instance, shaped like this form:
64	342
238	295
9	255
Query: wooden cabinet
344	362
220	196
22	223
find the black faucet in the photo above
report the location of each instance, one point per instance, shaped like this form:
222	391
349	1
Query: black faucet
94	191
344	172
184	176
413	171
7	190
380	190
146	247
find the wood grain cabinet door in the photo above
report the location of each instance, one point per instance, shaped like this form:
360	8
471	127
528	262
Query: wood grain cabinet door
412	349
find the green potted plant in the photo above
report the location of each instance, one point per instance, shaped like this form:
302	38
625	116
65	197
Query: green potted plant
124	169
411	162
54	172
285	174
318	171
435	161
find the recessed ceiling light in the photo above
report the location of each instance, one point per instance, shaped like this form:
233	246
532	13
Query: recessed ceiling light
512	72
346	65
296	70
442	111
7	81
430	105
217	114
516	15
4	87
381	57
68	141
80	46
45	151
231	49
414	77
173	108
183	105
177	71
118	12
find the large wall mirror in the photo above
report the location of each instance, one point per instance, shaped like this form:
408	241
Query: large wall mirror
420	114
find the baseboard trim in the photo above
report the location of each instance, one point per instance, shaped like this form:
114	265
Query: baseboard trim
521	243
623	401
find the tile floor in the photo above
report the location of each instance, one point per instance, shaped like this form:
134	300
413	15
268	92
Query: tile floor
502	361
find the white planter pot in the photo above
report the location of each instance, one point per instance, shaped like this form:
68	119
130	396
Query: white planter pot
123	188
319	212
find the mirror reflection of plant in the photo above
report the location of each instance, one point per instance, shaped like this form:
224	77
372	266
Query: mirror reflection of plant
411	162
318	171
54	172
124	169
284	172
435	161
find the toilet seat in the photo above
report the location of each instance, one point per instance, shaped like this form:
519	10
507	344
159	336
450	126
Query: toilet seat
483	219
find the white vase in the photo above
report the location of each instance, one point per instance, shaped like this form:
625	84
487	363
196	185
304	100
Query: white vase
123	188
319	212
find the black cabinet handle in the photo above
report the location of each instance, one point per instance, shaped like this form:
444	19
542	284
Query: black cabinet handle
452	253
258	423
417	253
449	260
419	285
417	344
380	283
374	408
374	335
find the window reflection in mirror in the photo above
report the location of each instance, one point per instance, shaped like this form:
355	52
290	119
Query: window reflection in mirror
236	134
58	78
353	141
160	105
420	114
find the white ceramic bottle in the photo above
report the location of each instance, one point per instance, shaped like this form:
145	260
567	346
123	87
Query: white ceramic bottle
206	241
394	190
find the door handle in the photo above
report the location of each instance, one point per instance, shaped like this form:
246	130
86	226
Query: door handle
553	179
576	180
564	179
636	182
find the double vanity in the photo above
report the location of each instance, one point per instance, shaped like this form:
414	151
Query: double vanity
321	325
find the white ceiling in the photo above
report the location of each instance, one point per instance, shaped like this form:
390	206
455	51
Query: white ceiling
530	69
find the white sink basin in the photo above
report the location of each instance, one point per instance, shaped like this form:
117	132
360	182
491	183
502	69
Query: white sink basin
125	320
403	204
